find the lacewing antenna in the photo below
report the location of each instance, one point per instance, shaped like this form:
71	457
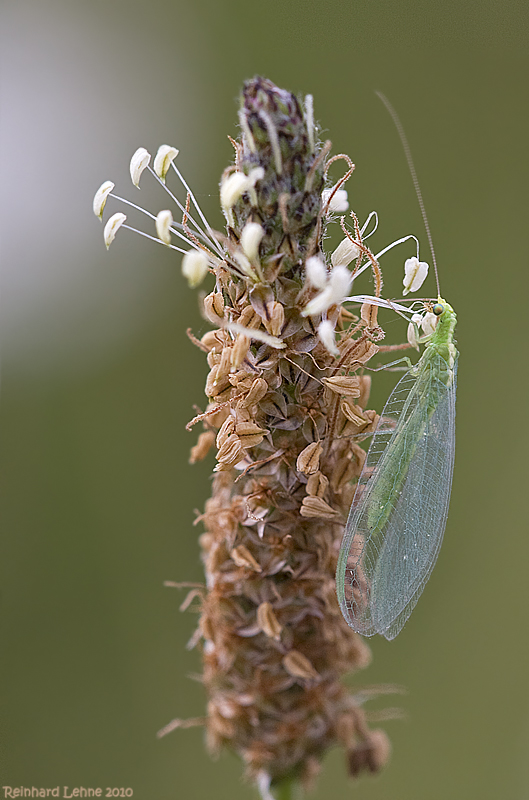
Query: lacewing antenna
411	166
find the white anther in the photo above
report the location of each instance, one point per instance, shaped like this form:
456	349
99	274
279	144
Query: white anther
100	198
232	189
326	336
138	162
334	294
256	174
244	264
340	281
236	184
319	304
413	337
112	226
339	202
316	272
194	267
429	322
163	160
309	117
163	223
415	273
251	237
259	336
346	252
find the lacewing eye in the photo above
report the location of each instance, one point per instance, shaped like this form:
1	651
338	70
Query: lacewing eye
438	309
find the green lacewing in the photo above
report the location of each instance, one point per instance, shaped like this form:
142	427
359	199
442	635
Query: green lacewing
398	516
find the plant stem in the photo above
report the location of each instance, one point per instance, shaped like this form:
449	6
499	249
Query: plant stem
285	790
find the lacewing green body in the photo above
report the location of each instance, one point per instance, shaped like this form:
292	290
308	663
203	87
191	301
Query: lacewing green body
398	516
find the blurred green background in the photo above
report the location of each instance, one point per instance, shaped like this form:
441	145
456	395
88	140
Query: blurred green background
99	379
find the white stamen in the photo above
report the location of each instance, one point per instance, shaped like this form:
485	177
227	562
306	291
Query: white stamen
412	336
251	237
256	174
366	224
100	198
209	240
377	301
429	322
154	239
316	272
385	250
309	118
244	264
233	188
163	160
259	336
415	273
334	293
138	162
326	336
319	304
243	122
236	185
340	281
112	226
194	267
163	223
339	202
344	253
175	225
274	140
210	232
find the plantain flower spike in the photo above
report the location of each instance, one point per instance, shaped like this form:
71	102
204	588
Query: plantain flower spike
274	643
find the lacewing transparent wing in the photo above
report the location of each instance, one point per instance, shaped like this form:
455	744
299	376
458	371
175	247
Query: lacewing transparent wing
398	516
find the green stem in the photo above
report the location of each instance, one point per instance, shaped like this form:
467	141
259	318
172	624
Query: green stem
284	790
